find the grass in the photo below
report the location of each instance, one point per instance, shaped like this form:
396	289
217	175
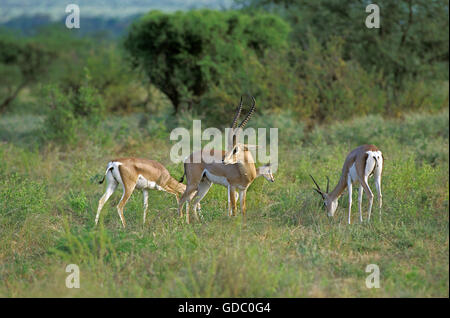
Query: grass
287	248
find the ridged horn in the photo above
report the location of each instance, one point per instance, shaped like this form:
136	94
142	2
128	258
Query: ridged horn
250	113
238	113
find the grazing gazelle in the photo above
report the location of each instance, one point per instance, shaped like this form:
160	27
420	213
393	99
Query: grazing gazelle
359	165
137	173
234	169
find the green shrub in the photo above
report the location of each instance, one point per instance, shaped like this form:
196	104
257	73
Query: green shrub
61	122
19	198
67	110
87	102
187	54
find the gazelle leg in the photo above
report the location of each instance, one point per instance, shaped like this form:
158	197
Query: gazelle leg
229	200
234	197
187	196
242	197
199	210
192	196
180	206
349	185
187	213
360	195
369	194
377	176
145	192
190	193
126	195
112	185
203	189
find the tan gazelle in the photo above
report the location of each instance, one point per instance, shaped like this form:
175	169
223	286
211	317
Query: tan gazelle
234	169
136	173
360	164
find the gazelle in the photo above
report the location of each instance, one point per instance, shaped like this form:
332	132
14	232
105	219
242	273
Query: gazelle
135	173
234	169
359	165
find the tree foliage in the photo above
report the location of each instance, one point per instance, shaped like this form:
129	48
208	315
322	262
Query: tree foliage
22	63
412	40
187	54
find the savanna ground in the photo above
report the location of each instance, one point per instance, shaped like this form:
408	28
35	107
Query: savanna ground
287	248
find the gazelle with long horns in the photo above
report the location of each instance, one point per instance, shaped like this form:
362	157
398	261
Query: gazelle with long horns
360	164
234	169
136	173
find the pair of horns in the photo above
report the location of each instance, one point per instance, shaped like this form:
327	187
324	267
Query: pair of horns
238	113
244	121
318	190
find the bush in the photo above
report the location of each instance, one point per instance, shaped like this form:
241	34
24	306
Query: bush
66	111
61	122
187	54
87	102
121	88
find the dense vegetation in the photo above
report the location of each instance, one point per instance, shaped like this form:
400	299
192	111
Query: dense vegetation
70	103
187	55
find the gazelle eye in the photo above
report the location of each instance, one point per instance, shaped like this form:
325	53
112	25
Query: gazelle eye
234	150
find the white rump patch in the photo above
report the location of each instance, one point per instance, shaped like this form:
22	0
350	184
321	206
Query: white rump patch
115	171
373	158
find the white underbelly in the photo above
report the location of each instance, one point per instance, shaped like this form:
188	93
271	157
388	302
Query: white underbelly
352	175
143	183
216	179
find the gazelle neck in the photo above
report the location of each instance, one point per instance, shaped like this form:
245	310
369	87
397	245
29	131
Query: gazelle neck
247	167
338	189
247	170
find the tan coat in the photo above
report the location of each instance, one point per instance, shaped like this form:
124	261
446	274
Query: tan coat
138	173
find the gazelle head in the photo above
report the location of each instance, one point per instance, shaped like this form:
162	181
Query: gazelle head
266	172
239	152
330	204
